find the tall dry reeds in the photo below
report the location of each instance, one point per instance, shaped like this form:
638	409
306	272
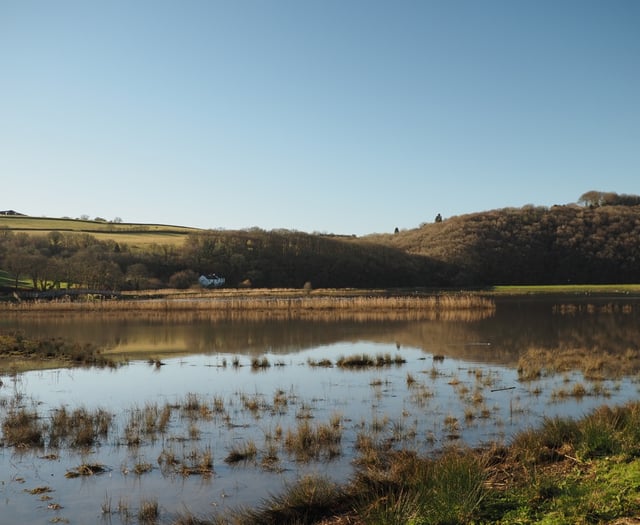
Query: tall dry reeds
281	303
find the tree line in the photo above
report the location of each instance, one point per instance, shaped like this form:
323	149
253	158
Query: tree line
596	242
255	258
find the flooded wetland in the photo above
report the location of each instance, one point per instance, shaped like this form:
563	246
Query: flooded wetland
203	414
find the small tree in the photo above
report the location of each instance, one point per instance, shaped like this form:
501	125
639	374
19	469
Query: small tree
137	276
183	279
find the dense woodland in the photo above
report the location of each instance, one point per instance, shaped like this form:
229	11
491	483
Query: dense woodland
595	241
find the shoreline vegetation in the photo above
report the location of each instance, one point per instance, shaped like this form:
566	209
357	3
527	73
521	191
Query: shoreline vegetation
291	301
565	471
20	354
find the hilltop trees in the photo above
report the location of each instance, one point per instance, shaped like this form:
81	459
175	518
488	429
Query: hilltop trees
595	199
535	245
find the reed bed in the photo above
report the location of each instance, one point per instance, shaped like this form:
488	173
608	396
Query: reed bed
274	302
573	309
535	363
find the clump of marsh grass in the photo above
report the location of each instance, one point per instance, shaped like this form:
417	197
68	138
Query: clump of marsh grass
253	403
149	511
323	363
402	487
40	490
218	405
23	428
192	402
280	402
146	423
260	363
78	428
105	507
86	469
308	500
142	468
244	452
308	441
194	462
366	361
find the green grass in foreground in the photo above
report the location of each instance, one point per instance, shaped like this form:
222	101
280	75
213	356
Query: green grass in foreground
566	289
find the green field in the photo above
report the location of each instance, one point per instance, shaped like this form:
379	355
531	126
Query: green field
7	281
133	234
567	289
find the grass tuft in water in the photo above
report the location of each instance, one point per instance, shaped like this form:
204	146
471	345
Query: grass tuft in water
244	452
23	428
367	361
86	469
149	511
305	502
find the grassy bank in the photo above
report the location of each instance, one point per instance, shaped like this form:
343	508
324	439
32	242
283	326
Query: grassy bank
19	353
566	471
567	289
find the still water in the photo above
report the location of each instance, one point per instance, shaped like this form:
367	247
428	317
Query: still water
458	383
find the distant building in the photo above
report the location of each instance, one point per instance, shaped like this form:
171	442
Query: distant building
211	281
12	212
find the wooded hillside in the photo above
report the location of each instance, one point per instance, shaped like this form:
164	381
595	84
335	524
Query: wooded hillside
532	245
598	242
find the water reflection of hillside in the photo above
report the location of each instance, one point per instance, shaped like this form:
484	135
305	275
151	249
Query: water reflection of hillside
516	326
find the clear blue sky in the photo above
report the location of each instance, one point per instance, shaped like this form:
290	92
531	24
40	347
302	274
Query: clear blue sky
340	116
